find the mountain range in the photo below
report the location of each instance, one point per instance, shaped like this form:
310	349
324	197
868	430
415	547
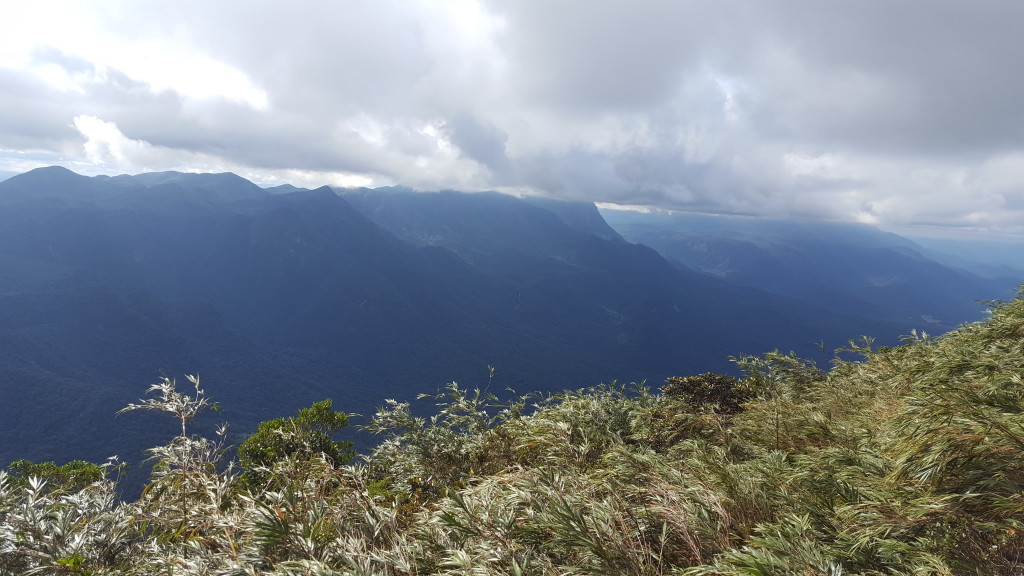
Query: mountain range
852	267
281	297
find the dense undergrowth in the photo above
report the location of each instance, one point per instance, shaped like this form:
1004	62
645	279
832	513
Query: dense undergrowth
904	460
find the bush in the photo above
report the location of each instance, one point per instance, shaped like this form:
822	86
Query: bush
70	477
308	435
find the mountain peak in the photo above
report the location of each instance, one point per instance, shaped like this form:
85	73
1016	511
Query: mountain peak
46	182
48	174
227	185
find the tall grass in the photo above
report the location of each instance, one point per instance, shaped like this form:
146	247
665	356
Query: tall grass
908	460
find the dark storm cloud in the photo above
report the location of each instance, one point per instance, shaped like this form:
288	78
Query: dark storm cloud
600	55
910	76
902	76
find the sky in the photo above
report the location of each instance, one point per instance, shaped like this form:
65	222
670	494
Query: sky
904	114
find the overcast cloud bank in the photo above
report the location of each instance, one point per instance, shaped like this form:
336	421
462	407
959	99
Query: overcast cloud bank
907	115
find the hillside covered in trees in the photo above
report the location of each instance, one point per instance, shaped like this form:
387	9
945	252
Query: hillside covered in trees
283	297
894	460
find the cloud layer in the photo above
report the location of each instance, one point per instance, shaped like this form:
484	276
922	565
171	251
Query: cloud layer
899	114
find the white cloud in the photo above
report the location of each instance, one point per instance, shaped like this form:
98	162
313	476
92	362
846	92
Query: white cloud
104	142
185	71
165	61
108	149
309	179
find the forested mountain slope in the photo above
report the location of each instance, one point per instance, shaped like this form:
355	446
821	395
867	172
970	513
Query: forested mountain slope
277	299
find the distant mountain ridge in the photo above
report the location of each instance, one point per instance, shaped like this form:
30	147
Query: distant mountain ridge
852	267
282	297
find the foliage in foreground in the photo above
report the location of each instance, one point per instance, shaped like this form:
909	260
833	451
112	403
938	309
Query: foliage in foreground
907	461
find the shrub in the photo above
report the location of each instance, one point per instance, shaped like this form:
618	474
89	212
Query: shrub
305	436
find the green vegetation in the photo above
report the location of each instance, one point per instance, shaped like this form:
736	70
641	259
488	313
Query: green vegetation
288	440
69	477
907	460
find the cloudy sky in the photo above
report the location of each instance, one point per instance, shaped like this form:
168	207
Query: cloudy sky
898	113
